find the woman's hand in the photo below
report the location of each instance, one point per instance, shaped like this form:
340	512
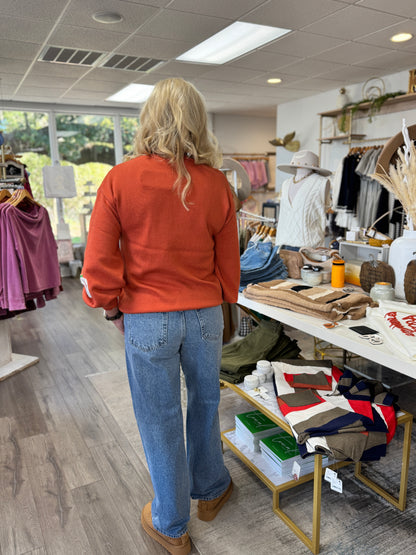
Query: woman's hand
119	324
115	316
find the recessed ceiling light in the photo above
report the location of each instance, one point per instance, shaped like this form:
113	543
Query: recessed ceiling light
274	80
133	93
233	41
401	37
107	17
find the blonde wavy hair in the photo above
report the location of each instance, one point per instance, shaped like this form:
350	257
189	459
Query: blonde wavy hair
173	125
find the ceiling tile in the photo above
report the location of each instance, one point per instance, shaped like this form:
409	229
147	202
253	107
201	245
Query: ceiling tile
391	62
46	92
47	82
157	3
319	84
58	70
80	14
96	86
186	26
405	8
46	10
93	39
352	22
303	44
18	49
266	61
349	74
382	38
351	53
283	76
310	67
229	73
8	65
153	47
112	75
232	10
24	29
292	14
186	71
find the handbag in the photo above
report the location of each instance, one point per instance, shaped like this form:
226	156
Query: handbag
319	256
293	261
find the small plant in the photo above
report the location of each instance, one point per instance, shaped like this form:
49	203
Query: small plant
374	106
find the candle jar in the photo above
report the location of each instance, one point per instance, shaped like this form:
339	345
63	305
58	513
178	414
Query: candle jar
382	291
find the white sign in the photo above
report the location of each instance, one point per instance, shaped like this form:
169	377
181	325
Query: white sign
59	181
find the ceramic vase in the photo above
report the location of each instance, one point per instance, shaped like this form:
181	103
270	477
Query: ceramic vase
402	250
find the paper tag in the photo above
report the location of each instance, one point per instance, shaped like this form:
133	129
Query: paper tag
296	470
336	485
330	475
260	391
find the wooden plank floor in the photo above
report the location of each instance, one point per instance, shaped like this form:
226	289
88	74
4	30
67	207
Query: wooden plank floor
72	474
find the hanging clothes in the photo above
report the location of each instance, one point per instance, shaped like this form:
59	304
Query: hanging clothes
29	268
258	171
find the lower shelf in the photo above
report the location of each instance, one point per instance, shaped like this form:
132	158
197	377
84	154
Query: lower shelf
261	468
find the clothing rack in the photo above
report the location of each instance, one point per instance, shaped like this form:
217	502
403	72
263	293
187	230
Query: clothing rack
362	149
250	216
366	140
10	363
250	156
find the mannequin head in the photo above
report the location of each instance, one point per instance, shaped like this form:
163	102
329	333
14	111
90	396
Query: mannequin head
302	173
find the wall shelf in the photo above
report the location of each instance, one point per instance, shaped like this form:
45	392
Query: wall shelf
396	104
397	101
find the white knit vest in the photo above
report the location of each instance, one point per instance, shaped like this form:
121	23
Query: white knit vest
302	222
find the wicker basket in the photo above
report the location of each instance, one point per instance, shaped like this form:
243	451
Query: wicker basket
410	282
373	271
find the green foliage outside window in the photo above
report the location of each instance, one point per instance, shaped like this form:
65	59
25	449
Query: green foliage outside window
85	141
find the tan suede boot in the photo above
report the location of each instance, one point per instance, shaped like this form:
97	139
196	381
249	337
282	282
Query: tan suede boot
208	510
175	546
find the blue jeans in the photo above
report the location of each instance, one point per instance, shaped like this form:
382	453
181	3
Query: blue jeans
157	344
255	256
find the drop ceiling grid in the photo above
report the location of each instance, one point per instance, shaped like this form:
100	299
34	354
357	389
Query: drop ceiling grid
332	43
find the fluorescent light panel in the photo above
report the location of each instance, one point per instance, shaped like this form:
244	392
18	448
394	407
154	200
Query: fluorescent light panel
134	93
232	42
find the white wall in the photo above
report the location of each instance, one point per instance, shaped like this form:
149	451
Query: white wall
301	116
245	135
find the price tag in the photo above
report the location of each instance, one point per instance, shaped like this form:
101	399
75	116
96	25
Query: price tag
336	485
330	475
296	470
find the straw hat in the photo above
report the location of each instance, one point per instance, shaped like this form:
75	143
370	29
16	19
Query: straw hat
244	184
388	155
304	159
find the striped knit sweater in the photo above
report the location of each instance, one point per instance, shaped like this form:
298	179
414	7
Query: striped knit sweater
334	412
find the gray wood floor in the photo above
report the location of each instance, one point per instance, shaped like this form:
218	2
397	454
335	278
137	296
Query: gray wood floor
72	473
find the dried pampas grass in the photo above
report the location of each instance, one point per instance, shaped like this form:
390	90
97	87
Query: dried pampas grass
401	181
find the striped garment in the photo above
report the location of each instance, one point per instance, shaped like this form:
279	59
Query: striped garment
321	302
354	419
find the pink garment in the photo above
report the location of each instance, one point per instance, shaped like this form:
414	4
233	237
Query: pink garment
29	267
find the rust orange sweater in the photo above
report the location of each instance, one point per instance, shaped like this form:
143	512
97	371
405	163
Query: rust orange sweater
147	253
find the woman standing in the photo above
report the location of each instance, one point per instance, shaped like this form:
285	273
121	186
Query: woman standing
162	255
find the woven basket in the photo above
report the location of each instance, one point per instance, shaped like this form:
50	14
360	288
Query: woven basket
374	271
410	282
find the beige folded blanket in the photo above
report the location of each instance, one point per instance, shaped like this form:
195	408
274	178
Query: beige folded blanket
329	304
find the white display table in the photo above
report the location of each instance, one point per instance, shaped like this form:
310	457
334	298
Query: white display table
339	336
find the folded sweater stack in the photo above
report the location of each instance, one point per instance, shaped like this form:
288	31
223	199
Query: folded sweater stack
329	304
334	412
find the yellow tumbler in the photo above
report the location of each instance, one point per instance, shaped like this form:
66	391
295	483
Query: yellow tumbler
338	274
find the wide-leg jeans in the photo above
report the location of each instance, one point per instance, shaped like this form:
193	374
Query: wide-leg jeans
157	345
